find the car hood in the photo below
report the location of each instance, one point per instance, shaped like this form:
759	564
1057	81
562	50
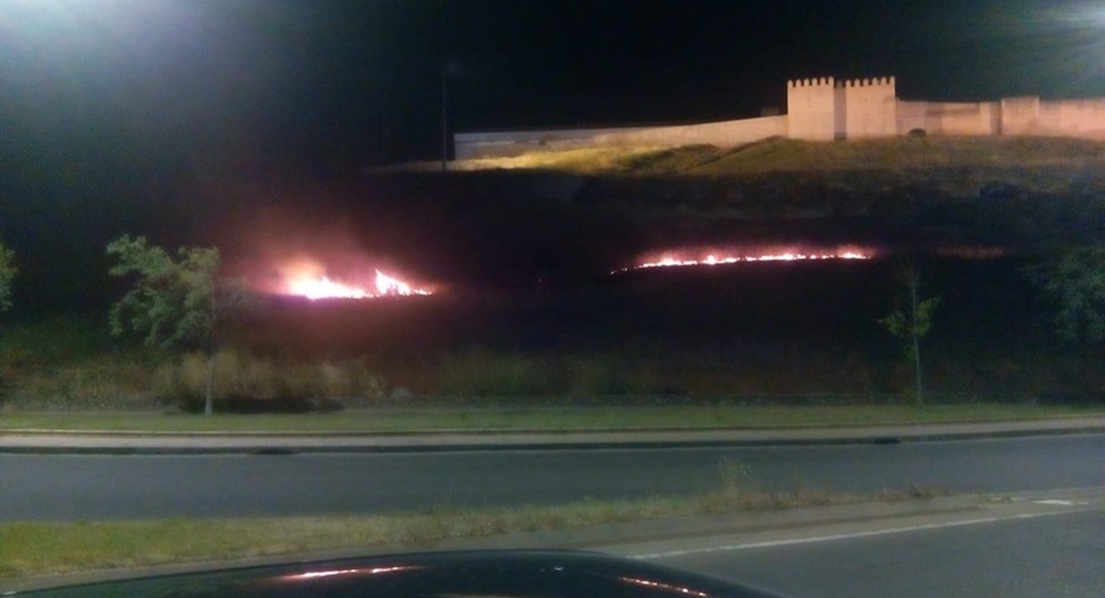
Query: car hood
467	574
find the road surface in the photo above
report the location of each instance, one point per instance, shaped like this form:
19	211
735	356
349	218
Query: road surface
68	487
1050	547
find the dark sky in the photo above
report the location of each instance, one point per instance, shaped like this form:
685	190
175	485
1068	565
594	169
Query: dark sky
158	116
292	83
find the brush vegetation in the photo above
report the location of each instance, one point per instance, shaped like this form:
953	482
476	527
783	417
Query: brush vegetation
66	366
569	331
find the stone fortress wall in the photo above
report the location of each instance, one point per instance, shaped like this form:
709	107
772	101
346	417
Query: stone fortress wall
823	109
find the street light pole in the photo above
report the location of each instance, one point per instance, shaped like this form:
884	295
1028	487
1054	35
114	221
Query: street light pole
444	120
444	98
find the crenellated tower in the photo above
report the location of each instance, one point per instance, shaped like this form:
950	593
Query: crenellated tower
811	108
867	108
823	108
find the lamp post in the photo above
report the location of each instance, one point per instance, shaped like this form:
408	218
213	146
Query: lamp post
444	118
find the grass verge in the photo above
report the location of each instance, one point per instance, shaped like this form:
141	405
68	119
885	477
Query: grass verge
788	155
551	419
42	548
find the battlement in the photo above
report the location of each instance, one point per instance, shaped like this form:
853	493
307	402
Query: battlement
876	82
815	82
827	109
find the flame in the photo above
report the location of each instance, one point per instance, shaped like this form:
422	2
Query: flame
675	260
386	285
309	281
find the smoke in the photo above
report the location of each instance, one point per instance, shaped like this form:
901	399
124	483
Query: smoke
269	246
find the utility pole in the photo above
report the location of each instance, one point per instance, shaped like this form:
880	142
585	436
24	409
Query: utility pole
444	118
443	36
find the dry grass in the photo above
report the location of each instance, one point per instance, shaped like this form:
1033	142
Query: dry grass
239	374
788	155
37	548
552	419
587	160
909	153
105	382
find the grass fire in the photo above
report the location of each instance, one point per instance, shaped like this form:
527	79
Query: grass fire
691	257
310	279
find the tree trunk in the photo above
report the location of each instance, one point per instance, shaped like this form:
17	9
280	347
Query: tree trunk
917	369
208	405
916	338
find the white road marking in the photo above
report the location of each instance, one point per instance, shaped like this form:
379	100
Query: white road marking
1059	502
848	536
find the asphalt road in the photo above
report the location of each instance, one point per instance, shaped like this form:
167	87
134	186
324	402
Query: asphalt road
65	487
1055	556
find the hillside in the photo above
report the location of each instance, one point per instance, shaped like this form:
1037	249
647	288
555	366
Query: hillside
904	156
983	191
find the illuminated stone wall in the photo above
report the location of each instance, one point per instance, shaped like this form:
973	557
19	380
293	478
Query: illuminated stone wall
721	134
869	108
811	109
823	109
1010	116
1073	118
949	118
1019	116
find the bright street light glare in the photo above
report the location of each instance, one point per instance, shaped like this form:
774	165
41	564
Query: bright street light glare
45	28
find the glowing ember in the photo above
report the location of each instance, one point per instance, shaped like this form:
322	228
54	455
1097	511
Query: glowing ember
314	286
712	259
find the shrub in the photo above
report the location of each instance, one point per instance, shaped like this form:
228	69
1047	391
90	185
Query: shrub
478	372
108	381
606	374
246	383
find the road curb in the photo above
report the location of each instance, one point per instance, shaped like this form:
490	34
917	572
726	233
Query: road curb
277	449
507	431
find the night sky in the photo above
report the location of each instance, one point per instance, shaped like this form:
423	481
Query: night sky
333	85
110	108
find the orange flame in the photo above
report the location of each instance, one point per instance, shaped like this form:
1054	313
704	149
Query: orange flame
674	259
309	281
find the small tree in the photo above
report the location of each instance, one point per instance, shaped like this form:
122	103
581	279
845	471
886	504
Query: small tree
1074	280
7	273
911	319
174	304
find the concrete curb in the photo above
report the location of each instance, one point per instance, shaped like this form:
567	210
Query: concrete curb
287	445
506	431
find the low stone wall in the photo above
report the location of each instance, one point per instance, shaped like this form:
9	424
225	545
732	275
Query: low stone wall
1073	118
497	144
949	118
721	134
516	143
1010	116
